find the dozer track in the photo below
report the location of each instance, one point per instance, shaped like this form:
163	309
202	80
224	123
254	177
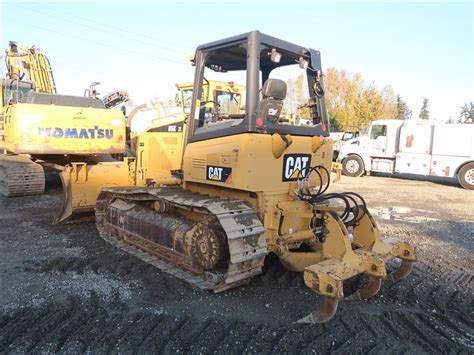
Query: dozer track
19	176
123	222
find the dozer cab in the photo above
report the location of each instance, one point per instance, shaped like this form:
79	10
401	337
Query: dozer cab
254	184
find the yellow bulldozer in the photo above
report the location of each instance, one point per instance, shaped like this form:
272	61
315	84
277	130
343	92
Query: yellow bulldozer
252	184
41	130
155	154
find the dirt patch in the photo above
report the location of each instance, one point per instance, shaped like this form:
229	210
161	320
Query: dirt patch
65	290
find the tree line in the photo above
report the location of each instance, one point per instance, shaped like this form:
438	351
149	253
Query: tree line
351	103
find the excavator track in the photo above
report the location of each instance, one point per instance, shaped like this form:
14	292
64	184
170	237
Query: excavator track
242	228
20	176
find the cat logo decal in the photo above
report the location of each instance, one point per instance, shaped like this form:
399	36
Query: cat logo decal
295	166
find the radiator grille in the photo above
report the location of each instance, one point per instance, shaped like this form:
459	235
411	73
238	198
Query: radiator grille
198	163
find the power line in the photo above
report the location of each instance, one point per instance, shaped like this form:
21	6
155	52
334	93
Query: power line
121	36
109	46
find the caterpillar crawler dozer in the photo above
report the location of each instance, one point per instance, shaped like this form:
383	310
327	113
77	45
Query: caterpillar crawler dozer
41	130
155	153
254	185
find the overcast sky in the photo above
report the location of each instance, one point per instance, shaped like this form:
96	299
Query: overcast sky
423	49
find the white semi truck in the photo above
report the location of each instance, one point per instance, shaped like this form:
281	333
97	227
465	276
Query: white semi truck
412	147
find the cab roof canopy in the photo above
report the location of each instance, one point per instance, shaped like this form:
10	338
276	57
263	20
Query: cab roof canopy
231	54
257	54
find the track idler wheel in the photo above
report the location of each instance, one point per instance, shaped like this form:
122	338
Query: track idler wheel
403	271
322	315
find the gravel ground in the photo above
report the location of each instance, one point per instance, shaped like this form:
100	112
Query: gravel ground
65	290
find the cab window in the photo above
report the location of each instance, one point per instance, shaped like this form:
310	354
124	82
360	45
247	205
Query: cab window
378	131
14	92
187	97
229	102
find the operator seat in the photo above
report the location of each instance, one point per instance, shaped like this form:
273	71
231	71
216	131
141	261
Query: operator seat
273	94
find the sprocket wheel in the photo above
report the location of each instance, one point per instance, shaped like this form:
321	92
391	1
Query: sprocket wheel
208	247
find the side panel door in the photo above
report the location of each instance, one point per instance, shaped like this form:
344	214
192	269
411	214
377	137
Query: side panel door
378	140
413	163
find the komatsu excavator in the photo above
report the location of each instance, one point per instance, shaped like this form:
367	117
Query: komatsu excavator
40	129
156	152
253	185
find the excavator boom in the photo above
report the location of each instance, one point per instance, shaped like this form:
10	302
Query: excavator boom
29	64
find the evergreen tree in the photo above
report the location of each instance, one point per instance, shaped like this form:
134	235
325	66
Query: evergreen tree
402	110
467	113
424	113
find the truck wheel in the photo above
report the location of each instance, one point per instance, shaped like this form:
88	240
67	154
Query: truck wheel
353	166
466	176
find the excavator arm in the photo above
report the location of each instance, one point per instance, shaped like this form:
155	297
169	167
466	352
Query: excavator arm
29	64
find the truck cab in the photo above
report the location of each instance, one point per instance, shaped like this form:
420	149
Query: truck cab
374	151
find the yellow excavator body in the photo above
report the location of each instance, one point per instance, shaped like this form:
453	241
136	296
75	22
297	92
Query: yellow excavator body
39	129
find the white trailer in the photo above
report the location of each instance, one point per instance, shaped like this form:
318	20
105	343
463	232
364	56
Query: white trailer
413	147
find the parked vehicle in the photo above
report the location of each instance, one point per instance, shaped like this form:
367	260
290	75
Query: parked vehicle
340	137
413	147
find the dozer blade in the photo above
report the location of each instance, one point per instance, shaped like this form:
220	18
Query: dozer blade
82	183
322	315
